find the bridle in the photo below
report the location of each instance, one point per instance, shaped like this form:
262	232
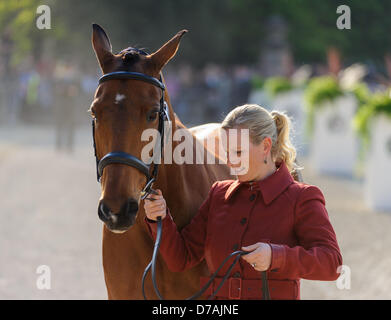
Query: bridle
120	157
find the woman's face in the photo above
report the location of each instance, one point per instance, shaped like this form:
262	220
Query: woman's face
246	159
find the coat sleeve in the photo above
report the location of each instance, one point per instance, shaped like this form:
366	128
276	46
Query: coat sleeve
185	249
317	256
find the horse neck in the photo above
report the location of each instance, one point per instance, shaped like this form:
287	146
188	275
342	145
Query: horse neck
180	183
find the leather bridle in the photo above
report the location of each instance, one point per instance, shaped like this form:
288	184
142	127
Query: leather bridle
120	157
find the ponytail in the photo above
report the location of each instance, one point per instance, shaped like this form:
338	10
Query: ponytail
283	149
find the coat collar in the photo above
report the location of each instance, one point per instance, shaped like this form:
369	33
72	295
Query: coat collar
270	187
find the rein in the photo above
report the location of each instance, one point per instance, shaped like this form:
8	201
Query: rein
236	254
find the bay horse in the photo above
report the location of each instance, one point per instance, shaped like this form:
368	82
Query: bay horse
122	109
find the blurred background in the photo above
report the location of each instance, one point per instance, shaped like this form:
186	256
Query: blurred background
329	69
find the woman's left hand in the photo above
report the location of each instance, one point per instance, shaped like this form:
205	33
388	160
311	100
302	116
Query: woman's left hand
260	257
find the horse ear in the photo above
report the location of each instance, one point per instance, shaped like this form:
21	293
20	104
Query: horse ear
167	51
101	44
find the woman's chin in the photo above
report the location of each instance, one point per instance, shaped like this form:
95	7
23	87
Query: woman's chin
242	177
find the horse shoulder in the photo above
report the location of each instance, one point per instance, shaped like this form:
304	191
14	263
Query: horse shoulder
209	135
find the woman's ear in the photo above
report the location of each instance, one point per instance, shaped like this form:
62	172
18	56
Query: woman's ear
267	145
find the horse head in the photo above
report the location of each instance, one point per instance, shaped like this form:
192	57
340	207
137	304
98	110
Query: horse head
122	109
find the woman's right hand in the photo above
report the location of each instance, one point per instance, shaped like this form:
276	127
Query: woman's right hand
155	208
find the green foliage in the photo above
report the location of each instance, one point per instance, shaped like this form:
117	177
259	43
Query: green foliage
225	32
276	85
312	27
379	103
319	91
17	22
322	89
362	93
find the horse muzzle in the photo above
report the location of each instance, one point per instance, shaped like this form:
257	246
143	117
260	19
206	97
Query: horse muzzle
121	221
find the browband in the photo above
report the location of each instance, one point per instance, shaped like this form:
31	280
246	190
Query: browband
126	75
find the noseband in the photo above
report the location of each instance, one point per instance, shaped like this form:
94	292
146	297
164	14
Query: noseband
120	157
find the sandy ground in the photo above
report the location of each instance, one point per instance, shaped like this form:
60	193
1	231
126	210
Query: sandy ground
48	209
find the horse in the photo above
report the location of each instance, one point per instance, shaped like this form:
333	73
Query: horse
122	109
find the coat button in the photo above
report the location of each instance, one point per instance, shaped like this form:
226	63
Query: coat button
243	221
252	197
235	247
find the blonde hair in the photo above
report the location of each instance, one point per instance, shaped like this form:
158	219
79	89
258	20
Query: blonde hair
261	124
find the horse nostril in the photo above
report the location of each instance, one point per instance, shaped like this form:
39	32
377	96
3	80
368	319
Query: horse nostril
120	220
104	212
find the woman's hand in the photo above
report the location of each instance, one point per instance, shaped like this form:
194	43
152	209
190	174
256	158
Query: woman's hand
260	257
155	208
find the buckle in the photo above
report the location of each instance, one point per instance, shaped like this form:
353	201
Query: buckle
239	288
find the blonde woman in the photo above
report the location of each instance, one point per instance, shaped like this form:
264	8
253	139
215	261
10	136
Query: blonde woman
282	223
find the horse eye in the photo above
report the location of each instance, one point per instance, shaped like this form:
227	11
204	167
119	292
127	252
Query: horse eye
152	116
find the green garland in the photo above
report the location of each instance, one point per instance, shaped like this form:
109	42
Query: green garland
276	85
379	103
362	93
318	91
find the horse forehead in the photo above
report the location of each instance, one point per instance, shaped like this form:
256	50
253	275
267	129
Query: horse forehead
127	91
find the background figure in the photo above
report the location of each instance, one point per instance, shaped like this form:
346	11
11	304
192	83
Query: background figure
241	85
64	113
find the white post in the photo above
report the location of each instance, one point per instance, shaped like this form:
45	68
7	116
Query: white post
334	145
378	165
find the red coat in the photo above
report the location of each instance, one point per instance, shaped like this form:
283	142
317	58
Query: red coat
289	215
